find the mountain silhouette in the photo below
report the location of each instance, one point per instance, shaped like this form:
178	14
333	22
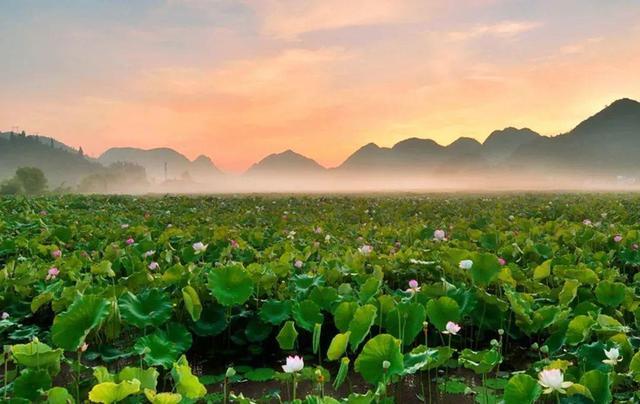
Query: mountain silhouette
154	160
606	143
287	162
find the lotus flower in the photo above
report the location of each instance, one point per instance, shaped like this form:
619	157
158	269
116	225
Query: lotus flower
298	264
465	264
199	247
451	328
148	254
43	213
294	364
153	265
613	356
52	273
317	230
502	261
414	286
124	226
234	243
617	238
365	249
84	347
56	253
5	315
587	222
439	235
553	380
130	241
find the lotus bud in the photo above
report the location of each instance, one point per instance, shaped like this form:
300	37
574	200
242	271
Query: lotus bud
500	332
535	346
544	349
386	365
230	372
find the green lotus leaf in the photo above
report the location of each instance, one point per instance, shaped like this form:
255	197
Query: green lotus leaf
31	384
359	327
369	289
599	385
590	356
85	314
157	349
275	311
343	314
151	308
569	292
103	268
307	314
420	358
485	268
480	362
522	389
324	296
338	346
162	398
230	285
287	336
59	395
186	383
634	366
542	271
192	302
212	321
35	354
109	392
148	377
579	329
442	310
378	350
179	336
406	320
610	293
260	375
257	330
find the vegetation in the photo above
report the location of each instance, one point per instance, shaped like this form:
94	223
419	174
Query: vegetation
27	180
344	299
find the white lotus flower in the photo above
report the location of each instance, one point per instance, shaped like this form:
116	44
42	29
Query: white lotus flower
439	235
452	328
199	247
365	249
553	380
5	315
465	264
613	356
294	364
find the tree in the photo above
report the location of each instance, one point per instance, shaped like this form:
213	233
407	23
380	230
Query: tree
32	180
81	152
11	187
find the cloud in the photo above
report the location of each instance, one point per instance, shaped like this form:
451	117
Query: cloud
290	18
504	29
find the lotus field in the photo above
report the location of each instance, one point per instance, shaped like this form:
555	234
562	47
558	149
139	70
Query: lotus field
310	299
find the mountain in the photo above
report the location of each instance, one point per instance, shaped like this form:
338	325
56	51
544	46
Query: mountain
155	161
500	144
286	163
607	142
60	163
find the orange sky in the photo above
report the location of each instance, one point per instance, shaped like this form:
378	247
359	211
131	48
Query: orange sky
237	80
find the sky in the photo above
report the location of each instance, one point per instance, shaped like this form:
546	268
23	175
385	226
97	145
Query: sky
237	80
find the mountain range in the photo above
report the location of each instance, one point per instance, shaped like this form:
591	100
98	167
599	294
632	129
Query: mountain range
606	143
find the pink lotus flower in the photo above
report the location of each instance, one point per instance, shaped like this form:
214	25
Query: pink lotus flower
365	249
43	213
587	222
298	264
153	265
84	347
52	273
502	261
414	286
234	243
317	230
617	238
439	235
452	328
130	241
56	254
635	246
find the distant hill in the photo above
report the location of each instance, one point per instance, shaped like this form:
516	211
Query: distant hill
286	163
154	160
608	142
60	163
500	144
